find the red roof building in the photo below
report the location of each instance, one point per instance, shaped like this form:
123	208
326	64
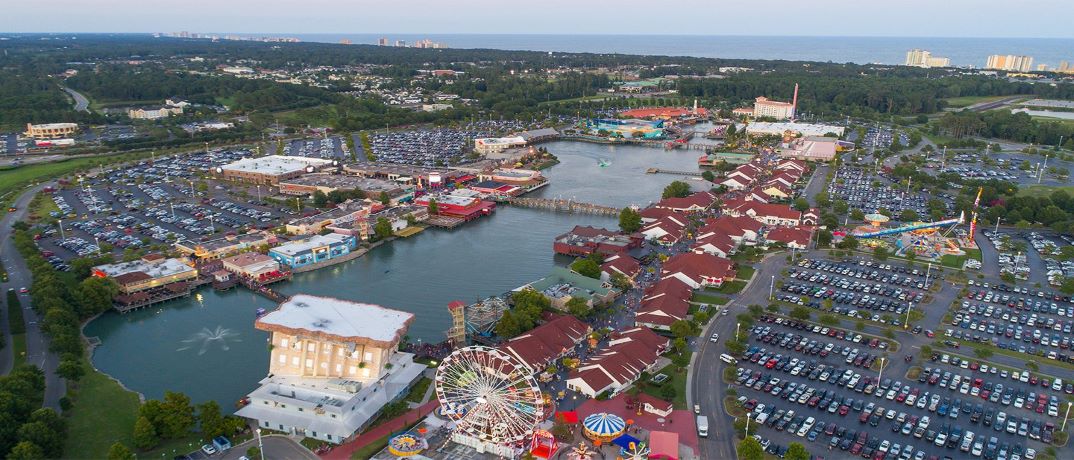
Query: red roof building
739	229
548	342
666	230
716	244
766	213
653	214
696	202
699	270
793	237
664	113
613	369
621	264
583	240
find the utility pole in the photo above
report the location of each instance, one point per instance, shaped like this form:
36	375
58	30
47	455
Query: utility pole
1040	174
997	224
260	446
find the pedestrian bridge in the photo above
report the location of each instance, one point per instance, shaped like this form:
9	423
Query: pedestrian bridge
563	205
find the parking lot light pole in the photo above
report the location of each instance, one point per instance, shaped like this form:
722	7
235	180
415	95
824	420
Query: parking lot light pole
881	374
906	324
771	287
258	193
737	326
927	271
60	222
1066	416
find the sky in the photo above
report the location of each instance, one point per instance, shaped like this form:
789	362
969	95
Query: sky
893	18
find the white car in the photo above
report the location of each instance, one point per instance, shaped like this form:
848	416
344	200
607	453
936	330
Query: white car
715	338
208	449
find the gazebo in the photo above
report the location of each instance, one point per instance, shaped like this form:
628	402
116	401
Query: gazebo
603	427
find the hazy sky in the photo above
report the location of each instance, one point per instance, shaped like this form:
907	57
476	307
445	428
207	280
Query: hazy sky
904	18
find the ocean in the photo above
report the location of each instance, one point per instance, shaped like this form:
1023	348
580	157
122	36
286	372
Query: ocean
860	50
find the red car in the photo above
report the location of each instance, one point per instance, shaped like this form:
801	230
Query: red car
844	409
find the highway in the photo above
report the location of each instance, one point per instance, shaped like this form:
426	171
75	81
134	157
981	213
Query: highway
81	103
19	276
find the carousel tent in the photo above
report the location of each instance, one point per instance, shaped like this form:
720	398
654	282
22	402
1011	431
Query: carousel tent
603	426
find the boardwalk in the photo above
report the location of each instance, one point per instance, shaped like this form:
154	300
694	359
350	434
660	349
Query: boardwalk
344	451
672	172
561	205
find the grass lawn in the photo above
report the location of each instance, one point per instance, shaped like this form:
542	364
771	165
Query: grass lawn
370	449
745	272
18	349
953	261
419	389
102	413
702	297
730	287
676	379
41	206
1042	190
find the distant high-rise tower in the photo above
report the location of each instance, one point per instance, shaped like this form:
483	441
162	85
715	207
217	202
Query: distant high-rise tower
383	41
1010	62
400	43
457	333
923	58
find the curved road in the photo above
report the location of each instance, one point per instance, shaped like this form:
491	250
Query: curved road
19	276
81	103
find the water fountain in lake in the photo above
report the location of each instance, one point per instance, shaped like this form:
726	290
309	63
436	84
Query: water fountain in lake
205	338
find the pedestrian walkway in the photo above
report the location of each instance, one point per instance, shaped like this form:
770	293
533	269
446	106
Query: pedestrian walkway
344	451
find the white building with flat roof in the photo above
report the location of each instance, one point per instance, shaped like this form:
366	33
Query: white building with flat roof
761	128
271	169
765	107
334	364
487	145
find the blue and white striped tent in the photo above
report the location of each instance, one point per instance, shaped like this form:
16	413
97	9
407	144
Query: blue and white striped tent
603	426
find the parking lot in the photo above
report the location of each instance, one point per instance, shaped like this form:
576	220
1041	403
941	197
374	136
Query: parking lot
861	288
154	202
869	192
806	385
327	147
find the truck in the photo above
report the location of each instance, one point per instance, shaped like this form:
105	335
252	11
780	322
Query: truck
703	426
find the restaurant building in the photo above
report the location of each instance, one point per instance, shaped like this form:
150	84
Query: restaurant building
270	170
315	249
333	366
152	270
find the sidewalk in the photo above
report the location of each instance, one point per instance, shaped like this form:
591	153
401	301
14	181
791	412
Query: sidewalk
344	451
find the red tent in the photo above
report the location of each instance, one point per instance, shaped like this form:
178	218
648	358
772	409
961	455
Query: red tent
663	445
569	417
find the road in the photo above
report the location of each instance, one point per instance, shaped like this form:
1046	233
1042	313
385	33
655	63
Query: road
81	103
19	276
818	182
708	369
275	448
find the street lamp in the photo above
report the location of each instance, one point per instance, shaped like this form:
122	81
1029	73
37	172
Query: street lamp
772	286
260	446
881	374
737	326
906	324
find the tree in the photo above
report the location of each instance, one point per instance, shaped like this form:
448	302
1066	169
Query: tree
880	253
708	175
629	220
668	392
212	422
70	367
320	200
620	281
1067	286
145	436
433	208
178	417
801	313
857	214
676	189
95	295
384	198
908	215
26	450
750	449
849	242
253	453
801	204
382	229
587	266
796	451
578	307
118	451
42	435
840	207
824	238
682	328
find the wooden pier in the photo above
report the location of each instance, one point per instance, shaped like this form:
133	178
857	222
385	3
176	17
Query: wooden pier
672	172
561	205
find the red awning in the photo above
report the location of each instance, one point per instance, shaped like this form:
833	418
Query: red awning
568	416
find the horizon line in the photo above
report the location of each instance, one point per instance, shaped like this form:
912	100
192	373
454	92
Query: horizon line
547	34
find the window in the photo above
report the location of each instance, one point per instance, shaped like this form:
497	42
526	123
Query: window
326	349
315	434
283	342
283	358
352	370
368	356
300	409
294	360
365	372
311	347
341	351
339	368
324	365
329	436
309	362
281	427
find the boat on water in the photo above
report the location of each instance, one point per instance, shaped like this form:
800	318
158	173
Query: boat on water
260	312
603	163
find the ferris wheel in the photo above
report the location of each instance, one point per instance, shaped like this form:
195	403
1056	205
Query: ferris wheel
492	396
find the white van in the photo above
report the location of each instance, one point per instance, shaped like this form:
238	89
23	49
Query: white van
702	426
728	359
1057	385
